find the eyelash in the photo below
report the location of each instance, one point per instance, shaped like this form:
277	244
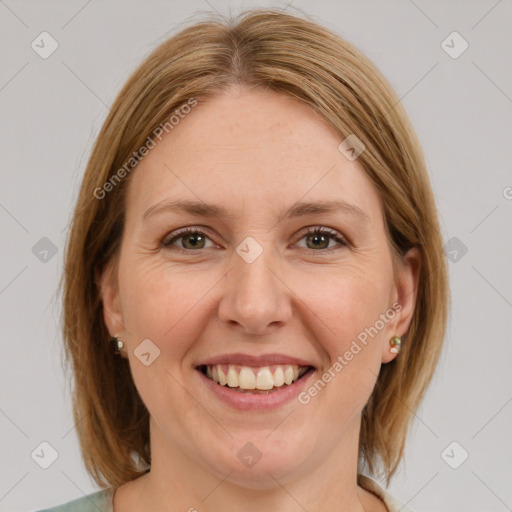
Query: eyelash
167	243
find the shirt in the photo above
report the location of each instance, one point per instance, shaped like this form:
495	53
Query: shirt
101	501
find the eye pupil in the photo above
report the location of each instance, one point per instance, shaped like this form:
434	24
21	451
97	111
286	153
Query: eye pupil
193	236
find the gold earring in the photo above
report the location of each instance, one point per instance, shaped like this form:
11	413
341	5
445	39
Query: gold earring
395	342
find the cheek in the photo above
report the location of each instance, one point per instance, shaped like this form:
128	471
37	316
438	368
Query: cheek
350	299
163	303
345	312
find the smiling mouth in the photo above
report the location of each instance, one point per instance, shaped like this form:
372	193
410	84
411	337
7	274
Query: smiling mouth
261	380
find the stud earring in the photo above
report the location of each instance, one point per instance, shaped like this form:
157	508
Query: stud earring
395	342
116	345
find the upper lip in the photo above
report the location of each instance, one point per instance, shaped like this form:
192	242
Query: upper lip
257	361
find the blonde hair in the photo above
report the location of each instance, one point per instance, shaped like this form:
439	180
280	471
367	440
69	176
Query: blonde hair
295	57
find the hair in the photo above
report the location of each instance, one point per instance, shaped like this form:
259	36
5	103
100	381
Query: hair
296	57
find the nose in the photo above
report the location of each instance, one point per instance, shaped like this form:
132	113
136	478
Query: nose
256	299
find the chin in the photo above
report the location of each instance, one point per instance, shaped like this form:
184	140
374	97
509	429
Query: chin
258	462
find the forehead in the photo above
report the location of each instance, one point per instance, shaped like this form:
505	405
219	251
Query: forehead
260	148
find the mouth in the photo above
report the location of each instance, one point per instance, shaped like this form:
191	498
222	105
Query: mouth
255	380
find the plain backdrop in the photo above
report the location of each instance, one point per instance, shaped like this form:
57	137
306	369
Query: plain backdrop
459	453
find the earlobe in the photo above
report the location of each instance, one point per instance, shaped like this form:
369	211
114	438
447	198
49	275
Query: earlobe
109	294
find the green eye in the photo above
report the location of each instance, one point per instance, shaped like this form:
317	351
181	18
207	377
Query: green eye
320	235
195	239
195	236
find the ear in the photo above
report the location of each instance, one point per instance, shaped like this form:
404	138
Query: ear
109	294
403	300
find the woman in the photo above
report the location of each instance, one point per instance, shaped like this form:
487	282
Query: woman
257	237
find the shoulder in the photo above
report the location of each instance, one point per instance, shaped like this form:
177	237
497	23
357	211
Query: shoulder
392	504
100	501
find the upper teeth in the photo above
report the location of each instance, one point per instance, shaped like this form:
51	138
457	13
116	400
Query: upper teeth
262	378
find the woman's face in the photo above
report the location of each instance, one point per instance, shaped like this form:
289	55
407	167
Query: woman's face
253	282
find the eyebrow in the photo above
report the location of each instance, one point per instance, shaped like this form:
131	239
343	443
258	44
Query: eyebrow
298	209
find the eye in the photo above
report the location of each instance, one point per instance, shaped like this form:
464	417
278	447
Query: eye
319	236
193	238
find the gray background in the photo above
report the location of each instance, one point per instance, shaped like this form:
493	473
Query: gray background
51	110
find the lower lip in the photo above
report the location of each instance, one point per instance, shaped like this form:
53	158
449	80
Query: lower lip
256	401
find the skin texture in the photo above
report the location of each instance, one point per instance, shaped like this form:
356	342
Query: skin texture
256	153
